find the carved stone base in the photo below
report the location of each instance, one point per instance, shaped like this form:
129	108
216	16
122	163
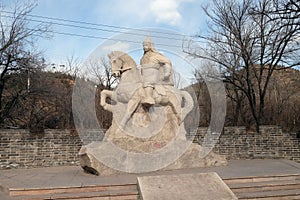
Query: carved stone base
162	145
189	159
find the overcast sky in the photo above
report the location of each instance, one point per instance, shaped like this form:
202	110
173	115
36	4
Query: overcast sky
179	16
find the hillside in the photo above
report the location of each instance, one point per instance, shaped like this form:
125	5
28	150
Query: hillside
48	102
282	102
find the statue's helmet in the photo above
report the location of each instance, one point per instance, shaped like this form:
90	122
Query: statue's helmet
150	43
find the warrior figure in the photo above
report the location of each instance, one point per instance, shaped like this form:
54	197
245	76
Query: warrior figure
156	69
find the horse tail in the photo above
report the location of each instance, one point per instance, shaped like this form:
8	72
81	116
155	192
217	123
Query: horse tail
188	104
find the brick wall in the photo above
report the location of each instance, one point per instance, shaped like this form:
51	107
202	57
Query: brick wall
271	142
20	148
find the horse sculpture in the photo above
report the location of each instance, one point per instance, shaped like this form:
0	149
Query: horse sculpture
130	91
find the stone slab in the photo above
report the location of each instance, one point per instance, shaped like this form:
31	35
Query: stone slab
206	186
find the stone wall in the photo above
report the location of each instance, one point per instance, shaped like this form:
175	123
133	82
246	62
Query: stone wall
20	148
237	143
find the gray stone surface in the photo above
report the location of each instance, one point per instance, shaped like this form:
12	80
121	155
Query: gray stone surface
206	186
4	193
66	176
190	159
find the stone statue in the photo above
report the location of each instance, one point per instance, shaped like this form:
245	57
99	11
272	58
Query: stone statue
156	68
139	84
147	131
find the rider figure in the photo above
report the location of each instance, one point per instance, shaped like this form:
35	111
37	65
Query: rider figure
156	69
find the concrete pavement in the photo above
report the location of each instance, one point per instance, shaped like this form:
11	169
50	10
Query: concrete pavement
67	176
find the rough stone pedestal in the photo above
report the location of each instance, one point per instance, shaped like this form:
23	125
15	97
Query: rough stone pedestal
90	162
167	150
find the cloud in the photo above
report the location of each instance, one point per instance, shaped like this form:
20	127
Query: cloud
124	13
118	46
167	11
143	12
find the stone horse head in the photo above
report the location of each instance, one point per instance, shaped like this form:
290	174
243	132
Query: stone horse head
120	62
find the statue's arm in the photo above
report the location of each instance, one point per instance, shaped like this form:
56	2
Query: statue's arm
167	71
167	66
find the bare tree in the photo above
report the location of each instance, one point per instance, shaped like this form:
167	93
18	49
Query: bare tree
72	66
282	100
285	9
202	95
236	113
101	71
248	46
16	47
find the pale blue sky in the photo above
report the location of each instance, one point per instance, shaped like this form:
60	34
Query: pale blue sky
181	16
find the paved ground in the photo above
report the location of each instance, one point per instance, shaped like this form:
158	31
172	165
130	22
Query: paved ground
74	175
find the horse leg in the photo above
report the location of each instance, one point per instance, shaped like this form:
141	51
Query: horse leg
176	104
188	103
132	106
103	96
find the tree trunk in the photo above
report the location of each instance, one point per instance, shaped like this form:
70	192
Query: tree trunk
1	92
1	105
237	113
257	125
255	115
